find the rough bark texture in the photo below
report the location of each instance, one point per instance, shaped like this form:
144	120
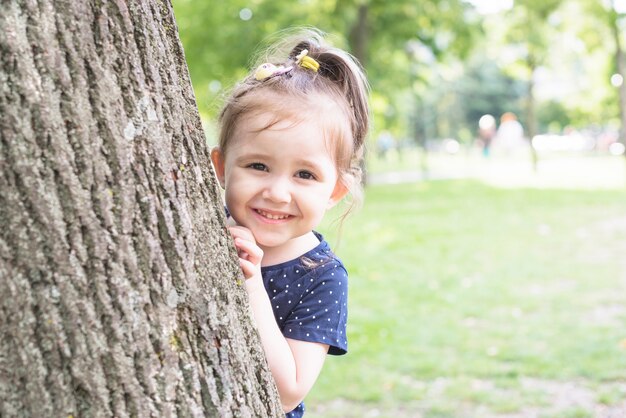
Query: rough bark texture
120	294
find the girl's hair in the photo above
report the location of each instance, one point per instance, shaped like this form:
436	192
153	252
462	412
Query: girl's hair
335	96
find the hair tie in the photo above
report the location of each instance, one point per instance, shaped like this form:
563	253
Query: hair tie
304	61
267	70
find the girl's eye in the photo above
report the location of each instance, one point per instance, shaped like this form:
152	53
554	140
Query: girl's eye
306	175
258	166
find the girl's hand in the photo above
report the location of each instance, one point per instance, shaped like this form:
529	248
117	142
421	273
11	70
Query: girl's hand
250	255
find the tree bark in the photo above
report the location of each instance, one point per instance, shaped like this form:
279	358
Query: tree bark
120	291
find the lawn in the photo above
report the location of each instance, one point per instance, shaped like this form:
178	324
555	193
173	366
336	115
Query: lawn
469	300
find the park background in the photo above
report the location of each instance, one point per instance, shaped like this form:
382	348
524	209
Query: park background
481	285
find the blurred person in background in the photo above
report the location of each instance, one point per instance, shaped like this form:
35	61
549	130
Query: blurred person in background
486	132
510	134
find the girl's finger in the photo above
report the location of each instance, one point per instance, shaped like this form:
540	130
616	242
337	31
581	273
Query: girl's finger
248	268
254	253
241	232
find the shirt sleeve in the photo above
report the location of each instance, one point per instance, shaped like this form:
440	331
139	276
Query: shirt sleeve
321	314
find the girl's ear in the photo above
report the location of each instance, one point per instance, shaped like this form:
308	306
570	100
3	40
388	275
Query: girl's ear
217	158
338	193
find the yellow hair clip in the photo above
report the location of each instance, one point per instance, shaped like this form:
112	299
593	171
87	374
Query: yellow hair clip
304	61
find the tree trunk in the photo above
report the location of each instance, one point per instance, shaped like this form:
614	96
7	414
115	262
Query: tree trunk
531	119
620	63
359	35
359	38
120	292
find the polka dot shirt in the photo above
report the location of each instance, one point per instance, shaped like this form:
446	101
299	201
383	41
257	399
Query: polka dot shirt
310	303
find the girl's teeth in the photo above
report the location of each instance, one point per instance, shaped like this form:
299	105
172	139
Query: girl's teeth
271	216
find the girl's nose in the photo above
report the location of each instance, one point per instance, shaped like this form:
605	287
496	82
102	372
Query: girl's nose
277	190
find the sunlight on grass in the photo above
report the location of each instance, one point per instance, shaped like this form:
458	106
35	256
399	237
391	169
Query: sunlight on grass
464	296
573	171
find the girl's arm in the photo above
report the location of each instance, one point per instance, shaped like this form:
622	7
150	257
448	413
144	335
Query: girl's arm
295	365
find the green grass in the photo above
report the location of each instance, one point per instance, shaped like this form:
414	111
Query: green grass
466	297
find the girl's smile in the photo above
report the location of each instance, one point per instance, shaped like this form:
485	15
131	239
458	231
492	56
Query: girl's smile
272	217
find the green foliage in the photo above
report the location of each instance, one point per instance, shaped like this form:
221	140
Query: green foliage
530	26
435	66
219	44
553	116
611	26
486	89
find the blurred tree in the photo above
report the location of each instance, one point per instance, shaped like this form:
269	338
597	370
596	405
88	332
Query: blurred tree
486	89
410	49
616	23
612	26
220	38
530	28
401	44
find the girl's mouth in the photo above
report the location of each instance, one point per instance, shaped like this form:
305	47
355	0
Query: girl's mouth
272	216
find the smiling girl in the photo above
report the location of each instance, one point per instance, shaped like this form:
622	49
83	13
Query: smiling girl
291	141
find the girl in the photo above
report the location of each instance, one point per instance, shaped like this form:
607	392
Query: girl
290	146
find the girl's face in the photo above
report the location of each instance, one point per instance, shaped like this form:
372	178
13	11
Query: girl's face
280	180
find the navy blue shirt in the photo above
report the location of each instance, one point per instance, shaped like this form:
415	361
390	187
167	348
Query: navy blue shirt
309	298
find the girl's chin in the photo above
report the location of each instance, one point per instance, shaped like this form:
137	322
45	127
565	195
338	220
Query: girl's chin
266	242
